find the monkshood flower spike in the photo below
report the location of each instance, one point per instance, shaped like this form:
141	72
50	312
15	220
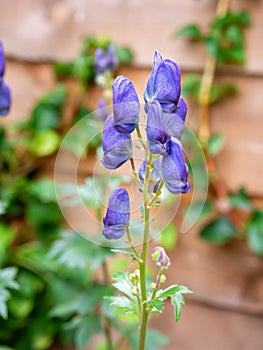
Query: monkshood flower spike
164	84
117	147
126	105
116	220
174	169
163	165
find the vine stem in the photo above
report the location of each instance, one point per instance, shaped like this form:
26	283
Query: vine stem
145	314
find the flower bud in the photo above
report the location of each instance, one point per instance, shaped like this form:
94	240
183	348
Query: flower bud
153	286
105	61
161	258
162	279
164	84
117	217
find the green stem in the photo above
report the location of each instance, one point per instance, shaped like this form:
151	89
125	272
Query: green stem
139	135
145	314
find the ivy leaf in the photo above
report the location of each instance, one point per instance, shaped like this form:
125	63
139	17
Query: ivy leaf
190	31
215	144
191	86
219	231
240	200
255	232
220	91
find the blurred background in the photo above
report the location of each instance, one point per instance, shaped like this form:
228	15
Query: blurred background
50	69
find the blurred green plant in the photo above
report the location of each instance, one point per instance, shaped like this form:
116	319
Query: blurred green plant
226	216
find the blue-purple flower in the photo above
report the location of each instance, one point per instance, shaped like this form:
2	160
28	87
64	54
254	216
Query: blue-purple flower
174	122
117	147
155	129
155	175
5	98
126	106
116	220
5	93
105	61
174	169
164	84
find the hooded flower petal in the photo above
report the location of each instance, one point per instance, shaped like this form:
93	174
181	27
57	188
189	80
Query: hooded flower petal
117	216
101	112
174	122
2	62
117	147
155	175
5	99
174	169
164	84
155	129
126	106
161	258
113	61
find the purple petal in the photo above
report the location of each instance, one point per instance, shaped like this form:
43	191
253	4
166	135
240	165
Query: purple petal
117	147
155	175
2	62
174	169
117	216
126	106
155	129
5	99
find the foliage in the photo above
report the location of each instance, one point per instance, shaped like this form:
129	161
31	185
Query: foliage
238	217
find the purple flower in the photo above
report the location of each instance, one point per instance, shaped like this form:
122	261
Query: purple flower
117	217
5	98
174	122
105	61
155	175
2	62
117	147
164	84
126	106
155	129
174	169
161	258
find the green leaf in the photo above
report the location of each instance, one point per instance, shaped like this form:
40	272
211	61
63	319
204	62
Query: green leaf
215	144
168	237
240	200
255	232
155	305
122	283
128	306
220	91
124	54
44	143
43	189
63	69
89	325
73	250
190	31
7	281
6	237
191	86
172	290
219	231
177	301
